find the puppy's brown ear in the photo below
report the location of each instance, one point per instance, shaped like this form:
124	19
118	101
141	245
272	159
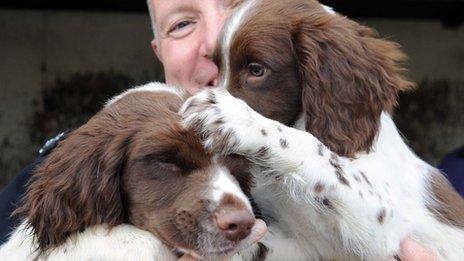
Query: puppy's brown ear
348	77
77	186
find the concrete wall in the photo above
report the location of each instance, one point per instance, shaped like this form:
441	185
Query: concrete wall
432	117
39	47
435	52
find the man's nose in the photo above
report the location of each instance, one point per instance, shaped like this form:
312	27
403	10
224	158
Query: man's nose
212	32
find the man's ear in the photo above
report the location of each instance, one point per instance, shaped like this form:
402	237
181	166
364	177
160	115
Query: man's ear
156	49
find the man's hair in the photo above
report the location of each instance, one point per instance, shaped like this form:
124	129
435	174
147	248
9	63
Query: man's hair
151	10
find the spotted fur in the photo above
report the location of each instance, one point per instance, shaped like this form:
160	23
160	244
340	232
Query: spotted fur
332	173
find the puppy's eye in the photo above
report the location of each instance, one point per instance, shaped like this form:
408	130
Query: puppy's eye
256	69
168	166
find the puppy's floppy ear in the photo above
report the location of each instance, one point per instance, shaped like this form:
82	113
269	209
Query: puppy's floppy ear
348	77
77	186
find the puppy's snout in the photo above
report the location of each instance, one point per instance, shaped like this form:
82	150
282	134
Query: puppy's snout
234	224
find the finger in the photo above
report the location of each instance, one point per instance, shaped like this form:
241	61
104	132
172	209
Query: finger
412	251
258	231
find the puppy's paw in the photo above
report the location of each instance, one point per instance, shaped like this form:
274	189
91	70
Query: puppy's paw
224	123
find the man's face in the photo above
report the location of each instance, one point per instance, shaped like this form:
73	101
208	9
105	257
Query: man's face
185	40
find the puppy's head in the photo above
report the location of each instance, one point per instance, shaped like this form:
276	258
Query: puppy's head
176	190
134	163
295	58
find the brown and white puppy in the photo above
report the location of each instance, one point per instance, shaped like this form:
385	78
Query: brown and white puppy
341	183
133	164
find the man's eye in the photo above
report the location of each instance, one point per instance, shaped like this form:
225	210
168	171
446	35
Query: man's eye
180	25
182	28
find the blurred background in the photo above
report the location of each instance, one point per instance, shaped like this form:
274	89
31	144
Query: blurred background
61	60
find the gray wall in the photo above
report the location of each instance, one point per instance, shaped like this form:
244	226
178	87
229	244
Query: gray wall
37	48
434	52
432	117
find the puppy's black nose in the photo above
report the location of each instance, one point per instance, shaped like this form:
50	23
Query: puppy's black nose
236	224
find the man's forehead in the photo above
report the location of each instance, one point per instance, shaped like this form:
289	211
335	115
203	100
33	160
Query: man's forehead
162	8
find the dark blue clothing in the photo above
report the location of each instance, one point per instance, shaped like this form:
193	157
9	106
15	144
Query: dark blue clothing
453	166
11	194
9	199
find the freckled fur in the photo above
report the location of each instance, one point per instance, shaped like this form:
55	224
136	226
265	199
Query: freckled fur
340	80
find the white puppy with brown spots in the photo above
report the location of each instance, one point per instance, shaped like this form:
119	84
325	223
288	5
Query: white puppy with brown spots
340	183
317	201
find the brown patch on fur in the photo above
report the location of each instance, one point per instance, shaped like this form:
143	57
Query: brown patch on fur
283	143
342	178
230	200
219	121
261	253
365	178
326	202
262	152
449	207
263	132
320	149
186	222
239	168
334	161
381	216
319	187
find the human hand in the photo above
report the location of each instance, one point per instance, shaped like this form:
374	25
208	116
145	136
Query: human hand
257	233
412	251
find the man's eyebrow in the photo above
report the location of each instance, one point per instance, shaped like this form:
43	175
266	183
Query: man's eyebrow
183	7
233	2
